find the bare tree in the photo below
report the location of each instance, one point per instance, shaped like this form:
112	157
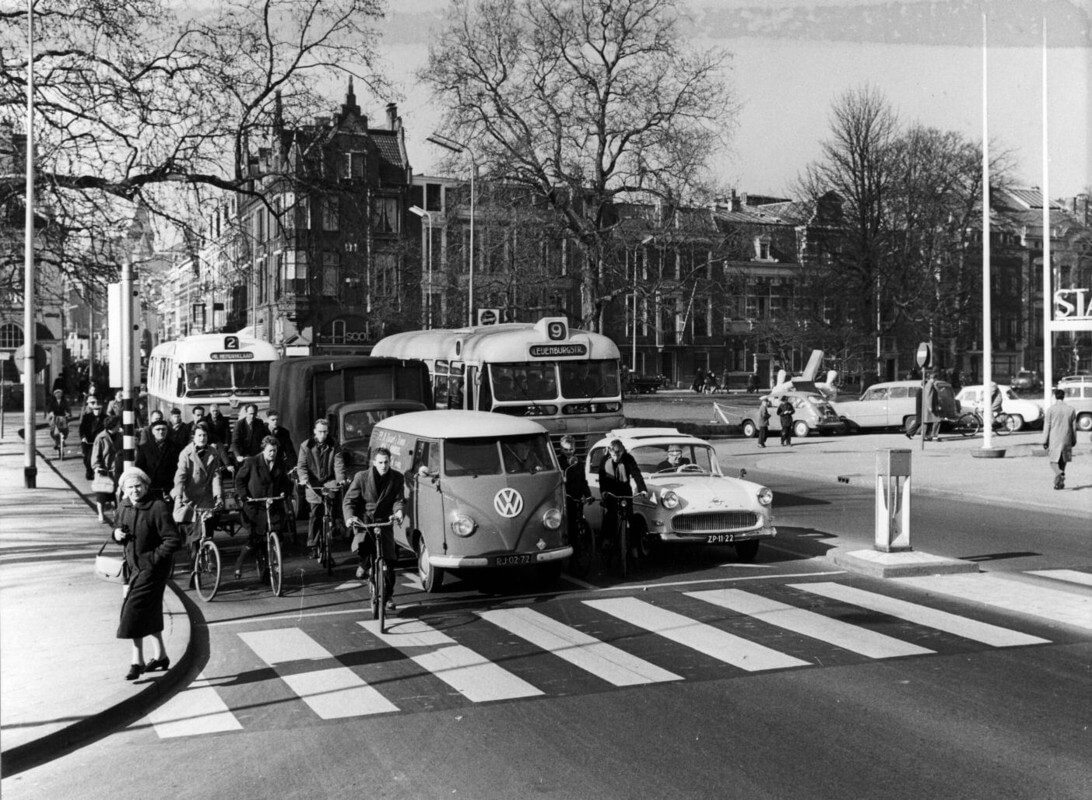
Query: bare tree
587	103
138	100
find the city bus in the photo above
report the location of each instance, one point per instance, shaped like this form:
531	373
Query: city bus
223	368
566	380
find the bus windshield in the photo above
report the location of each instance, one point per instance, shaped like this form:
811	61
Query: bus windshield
539	381
250	378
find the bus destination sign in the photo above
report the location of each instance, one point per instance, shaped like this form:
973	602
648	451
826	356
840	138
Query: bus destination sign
558	350
238	355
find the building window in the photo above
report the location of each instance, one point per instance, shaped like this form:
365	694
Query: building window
11	335
762	248
330	264
386	219
352	165
330	214
434	198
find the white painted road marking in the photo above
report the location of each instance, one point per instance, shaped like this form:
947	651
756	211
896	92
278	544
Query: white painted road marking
599	658
465	671
849	637
711	641
195	710
965	627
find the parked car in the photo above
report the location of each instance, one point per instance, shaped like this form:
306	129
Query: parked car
894	404
1079	395
1082	377
1027	380
814	413
1022	412
694	502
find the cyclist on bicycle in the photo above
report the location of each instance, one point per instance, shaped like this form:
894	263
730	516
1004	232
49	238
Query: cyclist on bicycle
376	495
320	462
577	492
57	415
260	475
197	484
617	469
158	457
996	400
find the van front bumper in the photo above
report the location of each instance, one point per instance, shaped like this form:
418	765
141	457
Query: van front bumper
500	560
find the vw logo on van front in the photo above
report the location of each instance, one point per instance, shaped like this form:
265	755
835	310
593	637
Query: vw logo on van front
508	502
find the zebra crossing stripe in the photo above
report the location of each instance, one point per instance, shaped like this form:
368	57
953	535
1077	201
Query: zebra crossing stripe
711	641
195	710
332	693
983	632
816	626
1067	575
599	658
1056	605
467	672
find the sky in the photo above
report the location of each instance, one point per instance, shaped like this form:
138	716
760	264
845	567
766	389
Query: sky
791	59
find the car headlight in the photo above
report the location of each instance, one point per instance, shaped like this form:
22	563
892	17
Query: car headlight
551	518
462	525
765	496
670	499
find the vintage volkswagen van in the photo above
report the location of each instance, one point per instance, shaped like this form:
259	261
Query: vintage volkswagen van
485	492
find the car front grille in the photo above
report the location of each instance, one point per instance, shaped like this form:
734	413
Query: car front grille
714	522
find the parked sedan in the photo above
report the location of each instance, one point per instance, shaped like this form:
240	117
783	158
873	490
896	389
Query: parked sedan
1022	412
691	502
894	404
813	413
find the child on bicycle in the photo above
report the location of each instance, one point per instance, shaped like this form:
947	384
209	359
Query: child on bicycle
376	495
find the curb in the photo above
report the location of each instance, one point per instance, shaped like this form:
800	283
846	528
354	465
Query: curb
127	708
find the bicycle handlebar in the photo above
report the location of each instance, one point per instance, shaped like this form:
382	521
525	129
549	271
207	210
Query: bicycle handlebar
262	499
389	523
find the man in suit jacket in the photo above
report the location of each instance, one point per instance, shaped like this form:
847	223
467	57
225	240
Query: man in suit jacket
261	476
219	427
158	457
376	495
1060	429
249	432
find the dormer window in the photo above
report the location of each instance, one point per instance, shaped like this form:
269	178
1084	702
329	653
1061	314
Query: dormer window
762	248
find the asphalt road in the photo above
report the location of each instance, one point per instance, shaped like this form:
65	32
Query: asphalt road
700	677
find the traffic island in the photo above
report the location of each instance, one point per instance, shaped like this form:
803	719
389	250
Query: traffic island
904	564
988	452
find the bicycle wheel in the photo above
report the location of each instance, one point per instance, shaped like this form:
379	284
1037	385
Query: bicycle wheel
379	572
967	424
325	559
1001	424
274	563
583	556
206	570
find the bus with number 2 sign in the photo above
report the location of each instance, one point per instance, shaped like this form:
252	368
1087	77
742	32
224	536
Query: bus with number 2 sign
564	379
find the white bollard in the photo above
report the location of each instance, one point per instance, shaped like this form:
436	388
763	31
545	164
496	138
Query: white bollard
893	500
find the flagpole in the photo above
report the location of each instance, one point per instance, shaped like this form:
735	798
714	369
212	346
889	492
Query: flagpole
1048	295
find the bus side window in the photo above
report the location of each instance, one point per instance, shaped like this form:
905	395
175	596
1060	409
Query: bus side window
485	391
181	388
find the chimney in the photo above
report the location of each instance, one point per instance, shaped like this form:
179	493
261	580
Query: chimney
392	116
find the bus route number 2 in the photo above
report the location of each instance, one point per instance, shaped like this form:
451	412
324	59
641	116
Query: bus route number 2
231	342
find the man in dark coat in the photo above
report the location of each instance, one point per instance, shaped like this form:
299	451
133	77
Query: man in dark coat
785	412
261	476
92	423
617	469
177	431
145	434
376	494
287	450
246	440
219	427
158	457
320	462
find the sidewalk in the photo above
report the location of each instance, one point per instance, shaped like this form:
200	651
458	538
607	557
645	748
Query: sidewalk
61	668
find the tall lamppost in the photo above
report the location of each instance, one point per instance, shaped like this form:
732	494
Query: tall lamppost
459	147
428	216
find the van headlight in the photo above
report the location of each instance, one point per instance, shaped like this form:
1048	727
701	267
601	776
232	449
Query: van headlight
669	499
462	525
551	518
765	496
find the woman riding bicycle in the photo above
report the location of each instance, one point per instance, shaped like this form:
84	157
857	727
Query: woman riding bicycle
617	469
375	495
57	415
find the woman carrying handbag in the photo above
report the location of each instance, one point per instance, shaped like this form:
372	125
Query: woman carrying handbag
106	463
148	533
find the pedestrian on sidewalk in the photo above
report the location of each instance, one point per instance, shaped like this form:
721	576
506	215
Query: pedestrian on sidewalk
1060	434
149	535
927	411
784	414
106	461
763	421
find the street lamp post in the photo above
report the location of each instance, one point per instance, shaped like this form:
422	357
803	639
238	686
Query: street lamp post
458	147
428	216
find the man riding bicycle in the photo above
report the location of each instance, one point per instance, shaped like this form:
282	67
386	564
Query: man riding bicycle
261	475
617	469
376	495
320	461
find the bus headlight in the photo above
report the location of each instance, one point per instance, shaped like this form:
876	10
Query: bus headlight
462	525
551	518
670	499
765	496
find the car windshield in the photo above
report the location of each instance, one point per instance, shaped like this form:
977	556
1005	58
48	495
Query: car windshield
656	458
510	455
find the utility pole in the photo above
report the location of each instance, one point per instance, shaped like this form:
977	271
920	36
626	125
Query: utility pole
30	432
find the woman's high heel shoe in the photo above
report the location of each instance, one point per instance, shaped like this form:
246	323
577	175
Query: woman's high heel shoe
135	671
157	664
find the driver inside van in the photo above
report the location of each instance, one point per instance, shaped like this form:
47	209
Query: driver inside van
674	460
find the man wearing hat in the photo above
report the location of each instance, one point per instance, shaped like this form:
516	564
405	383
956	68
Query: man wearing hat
158	457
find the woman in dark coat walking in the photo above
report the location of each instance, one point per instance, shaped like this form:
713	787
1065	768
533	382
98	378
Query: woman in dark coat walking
148	532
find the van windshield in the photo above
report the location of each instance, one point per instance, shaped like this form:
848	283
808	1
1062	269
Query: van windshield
510	455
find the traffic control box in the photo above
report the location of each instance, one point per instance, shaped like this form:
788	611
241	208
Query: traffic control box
893	500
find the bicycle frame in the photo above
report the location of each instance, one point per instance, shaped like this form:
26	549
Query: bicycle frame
378	570
271	558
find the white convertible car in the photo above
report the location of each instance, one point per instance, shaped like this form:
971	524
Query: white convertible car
692	502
